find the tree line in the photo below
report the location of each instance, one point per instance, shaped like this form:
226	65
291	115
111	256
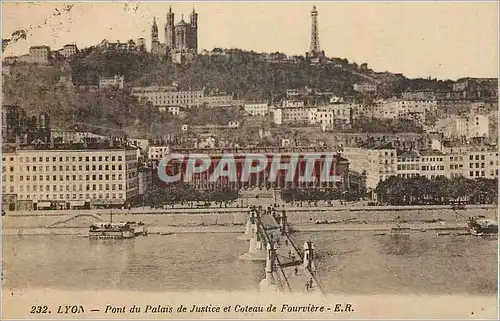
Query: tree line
316	194
180	193
440	190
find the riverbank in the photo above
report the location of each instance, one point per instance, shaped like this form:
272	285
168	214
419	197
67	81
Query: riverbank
170	230
301	219
347	207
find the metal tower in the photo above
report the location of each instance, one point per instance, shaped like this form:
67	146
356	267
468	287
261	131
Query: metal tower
314	49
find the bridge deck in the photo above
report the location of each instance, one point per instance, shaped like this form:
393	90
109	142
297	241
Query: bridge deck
290	269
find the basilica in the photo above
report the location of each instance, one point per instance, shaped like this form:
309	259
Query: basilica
180	38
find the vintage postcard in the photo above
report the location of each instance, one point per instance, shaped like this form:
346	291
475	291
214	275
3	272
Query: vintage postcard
250	160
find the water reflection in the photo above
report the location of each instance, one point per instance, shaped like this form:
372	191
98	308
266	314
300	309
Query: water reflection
348	262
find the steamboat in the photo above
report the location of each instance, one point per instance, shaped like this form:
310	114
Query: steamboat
482	227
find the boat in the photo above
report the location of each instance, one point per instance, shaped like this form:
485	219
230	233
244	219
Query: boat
139	228
110	230
442	233
482	226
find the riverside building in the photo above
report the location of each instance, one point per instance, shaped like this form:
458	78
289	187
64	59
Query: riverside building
69	177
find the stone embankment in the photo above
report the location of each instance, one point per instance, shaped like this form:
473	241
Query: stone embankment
232	220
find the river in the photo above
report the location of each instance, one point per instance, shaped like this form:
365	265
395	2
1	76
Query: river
347	262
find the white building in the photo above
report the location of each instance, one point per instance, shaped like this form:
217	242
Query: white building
260	109
217	100
473	126
291	115
158	152
169	96
112	82
330	115
292	104
380	164
481	162
39	54
62	179
463	127
174	110
410	109
68	51
377	164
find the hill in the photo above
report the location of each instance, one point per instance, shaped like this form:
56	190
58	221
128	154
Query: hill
248	75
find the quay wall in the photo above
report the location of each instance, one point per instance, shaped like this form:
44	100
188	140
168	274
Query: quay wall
233	220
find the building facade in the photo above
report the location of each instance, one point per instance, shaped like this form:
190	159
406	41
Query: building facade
339	167
257	109
40	54
112	82
69	178
169	96
379	164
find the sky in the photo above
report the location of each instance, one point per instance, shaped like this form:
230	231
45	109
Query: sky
444	40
